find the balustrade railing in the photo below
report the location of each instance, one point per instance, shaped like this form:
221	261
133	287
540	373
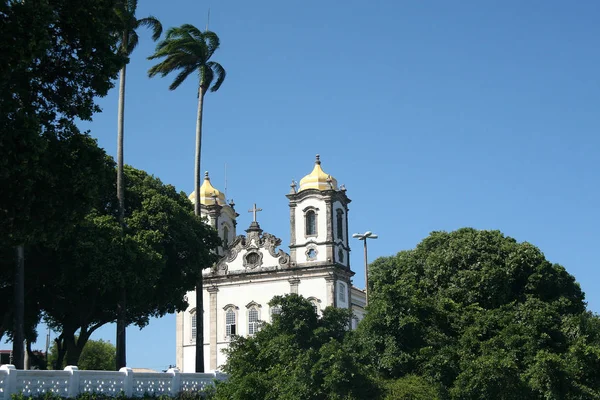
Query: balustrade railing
72	381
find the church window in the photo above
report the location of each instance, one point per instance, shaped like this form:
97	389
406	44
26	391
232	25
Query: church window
275	311
315	302
341	255
230	323
225	236
311	223
252	321
311	254
194	327
340	226
341	292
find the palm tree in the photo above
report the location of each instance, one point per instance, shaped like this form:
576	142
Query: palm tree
187	49
125	10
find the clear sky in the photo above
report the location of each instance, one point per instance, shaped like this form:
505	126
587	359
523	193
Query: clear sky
436	115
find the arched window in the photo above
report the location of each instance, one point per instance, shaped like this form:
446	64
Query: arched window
315	302
311	223
340	226
252	321
225	236
230	323
194	327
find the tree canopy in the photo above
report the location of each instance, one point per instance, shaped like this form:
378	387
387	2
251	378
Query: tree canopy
297	356
96	355
481	316
76	284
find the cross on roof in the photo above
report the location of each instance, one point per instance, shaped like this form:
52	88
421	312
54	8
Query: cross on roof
254	210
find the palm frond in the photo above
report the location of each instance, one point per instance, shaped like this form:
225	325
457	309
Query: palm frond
212	42
218	72
151	23
192	31
133	42
181	77
186	49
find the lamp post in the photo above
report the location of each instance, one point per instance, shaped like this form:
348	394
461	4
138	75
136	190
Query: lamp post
364	237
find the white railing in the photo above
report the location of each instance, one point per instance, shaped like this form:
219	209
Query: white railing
72	381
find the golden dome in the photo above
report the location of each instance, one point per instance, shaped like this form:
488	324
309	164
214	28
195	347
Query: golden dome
208	193
318	179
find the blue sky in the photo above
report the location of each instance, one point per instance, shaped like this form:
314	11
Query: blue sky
435	115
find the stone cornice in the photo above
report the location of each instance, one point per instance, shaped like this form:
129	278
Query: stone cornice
320	194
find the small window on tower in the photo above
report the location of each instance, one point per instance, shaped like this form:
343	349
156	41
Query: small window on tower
341	292
311	223
341	256
225	236
340	226
311	254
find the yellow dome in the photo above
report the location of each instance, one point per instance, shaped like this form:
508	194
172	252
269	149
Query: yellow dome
208	193
318	179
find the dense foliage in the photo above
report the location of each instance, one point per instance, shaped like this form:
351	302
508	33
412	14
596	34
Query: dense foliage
481	316
157	257
298	356
57	57
97	355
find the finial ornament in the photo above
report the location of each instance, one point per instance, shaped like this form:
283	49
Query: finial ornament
206	175
254	210
293	187
231	203
330	181
318	160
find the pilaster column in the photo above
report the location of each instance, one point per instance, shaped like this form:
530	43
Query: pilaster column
294	282
212	291
329	239
292	223
179	340
330	284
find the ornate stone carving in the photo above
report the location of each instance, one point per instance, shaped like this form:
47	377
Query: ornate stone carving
254	244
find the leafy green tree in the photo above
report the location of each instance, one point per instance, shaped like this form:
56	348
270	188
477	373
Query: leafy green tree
481	316
297	356
57	56
156	258
410	387
96	355
126	9
187	49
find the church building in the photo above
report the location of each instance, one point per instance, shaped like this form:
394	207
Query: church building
253	269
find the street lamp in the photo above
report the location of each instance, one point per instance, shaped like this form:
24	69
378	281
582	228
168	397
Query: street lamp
364	237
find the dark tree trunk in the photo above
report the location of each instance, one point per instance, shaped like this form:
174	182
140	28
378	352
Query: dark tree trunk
121	344
121	357
19	328
199	326
199	300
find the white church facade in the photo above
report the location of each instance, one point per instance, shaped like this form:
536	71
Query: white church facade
253	268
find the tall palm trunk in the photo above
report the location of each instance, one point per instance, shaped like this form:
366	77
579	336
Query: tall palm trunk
19	290
199	301
120	358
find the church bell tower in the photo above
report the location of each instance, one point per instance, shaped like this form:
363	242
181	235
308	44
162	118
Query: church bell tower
319	221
